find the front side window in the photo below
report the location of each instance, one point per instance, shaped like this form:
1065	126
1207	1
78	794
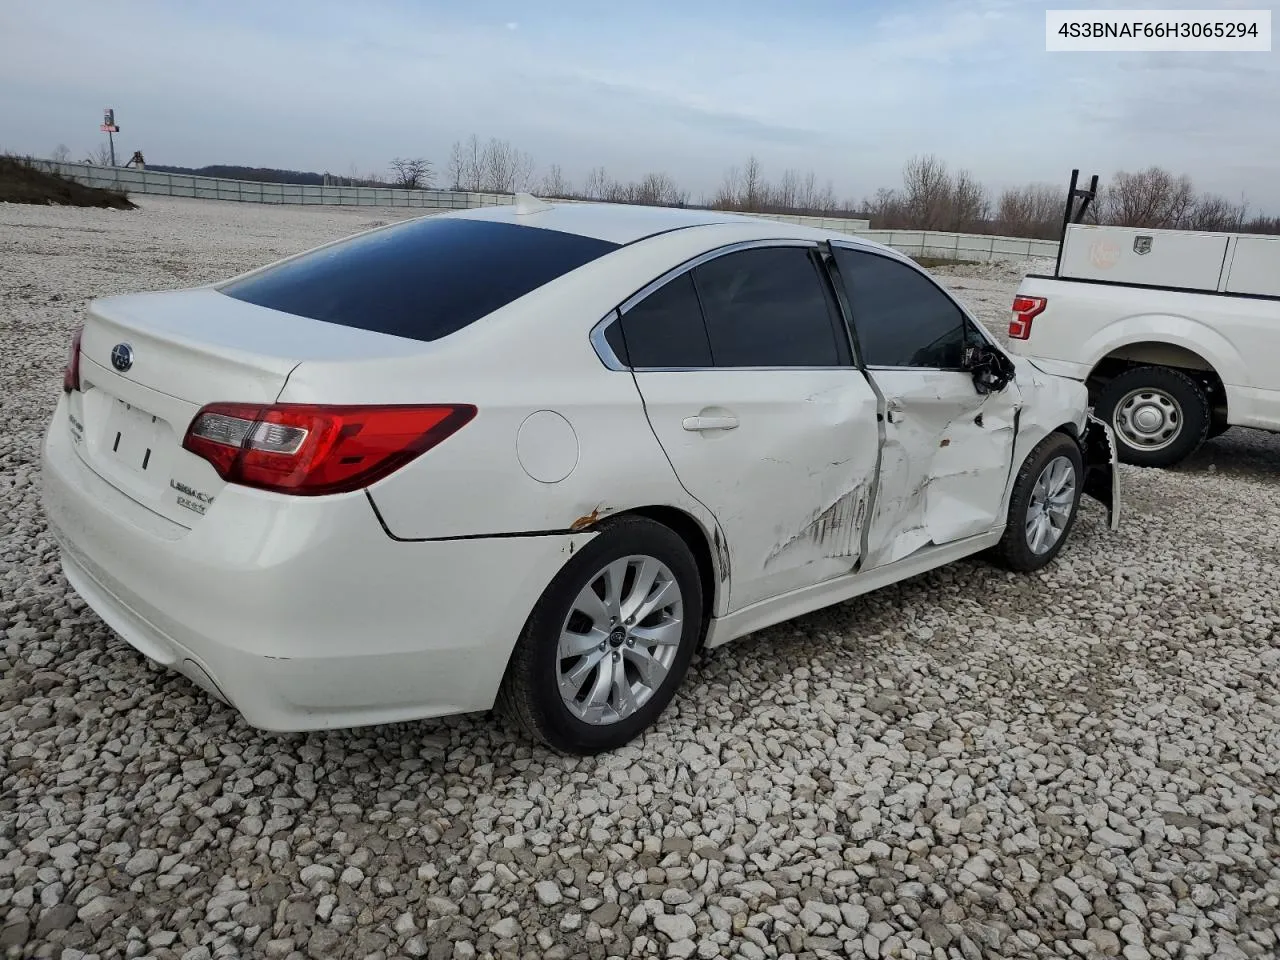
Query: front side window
767	307
902	319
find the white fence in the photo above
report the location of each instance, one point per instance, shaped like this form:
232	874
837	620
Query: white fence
253	191
916	243
962	246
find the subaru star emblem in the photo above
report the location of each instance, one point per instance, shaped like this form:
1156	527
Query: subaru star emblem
122	357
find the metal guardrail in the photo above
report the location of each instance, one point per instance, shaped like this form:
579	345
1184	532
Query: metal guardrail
917	243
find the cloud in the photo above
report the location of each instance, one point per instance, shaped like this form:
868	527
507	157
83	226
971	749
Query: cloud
849	90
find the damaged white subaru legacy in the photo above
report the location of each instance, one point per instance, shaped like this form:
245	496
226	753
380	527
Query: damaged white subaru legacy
535	456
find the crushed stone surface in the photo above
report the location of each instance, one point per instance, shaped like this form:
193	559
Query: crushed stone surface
1082	762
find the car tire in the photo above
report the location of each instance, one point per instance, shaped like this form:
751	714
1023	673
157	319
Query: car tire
572	648
1160	415
1031	505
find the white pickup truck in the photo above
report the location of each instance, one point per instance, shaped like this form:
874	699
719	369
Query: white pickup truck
1175	332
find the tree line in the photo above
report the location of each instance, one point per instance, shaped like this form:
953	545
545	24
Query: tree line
932	196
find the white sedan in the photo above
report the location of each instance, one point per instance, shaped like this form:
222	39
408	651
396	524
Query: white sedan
535	456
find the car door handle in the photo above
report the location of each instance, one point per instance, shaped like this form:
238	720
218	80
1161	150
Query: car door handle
710	423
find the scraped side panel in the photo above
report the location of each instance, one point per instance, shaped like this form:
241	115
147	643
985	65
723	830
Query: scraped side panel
966	487
945	464
788	482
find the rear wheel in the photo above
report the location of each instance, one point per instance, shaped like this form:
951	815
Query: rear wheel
1043	504
609	641
1160	415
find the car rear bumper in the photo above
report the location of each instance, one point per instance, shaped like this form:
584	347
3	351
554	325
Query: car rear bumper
302	613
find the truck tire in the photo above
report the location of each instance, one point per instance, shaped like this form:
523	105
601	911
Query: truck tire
1159	414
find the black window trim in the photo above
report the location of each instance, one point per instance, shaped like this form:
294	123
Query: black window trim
967	319
834	311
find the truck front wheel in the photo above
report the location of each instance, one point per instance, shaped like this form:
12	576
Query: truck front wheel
1159	414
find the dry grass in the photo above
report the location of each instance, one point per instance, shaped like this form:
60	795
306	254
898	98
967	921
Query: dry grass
21	181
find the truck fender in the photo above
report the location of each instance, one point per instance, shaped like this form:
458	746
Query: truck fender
1180	331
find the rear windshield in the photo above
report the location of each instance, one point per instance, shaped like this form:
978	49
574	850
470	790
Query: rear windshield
424	279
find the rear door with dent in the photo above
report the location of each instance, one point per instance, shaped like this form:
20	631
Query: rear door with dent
748	382
948	448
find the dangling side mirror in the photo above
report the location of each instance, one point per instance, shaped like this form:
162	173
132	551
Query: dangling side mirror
992	371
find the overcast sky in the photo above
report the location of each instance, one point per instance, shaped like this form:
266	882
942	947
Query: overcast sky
850	89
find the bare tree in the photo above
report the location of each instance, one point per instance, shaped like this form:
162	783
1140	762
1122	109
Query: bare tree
808	191
99	156
1150	198
523	172
885	210
60	154
412	173
466	164
969	204
456	169
506	169
1034	210
598	185
554	183
825	201
657	189
727	197
1212	212
926	192
787	194
752	183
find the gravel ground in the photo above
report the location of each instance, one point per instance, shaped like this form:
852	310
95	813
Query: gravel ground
1083	762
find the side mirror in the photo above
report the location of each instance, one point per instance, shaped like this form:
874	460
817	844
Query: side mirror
992	370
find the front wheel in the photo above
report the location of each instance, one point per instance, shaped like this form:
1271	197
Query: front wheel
1043	504
1159	414
609	641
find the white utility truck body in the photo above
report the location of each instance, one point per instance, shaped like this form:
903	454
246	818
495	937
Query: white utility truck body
1176	332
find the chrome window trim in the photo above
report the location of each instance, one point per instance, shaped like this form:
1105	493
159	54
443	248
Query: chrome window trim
610	359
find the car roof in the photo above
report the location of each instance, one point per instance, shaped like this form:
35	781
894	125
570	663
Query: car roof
619	222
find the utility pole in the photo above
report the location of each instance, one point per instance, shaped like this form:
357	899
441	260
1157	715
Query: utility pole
110	129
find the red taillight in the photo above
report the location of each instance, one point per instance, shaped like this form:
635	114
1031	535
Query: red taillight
311	450
1025	309
71	372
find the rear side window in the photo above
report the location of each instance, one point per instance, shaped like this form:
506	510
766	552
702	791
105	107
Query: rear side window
422	280
665	329
767	308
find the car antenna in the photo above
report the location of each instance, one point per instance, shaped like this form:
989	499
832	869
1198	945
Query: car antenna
527	203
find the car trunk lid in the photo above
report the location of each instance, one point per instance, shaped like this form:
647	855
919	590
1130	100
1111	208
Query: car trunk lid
149	362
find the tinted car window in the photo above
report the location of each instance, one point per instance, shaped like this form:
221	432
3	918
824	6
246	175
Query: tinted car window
665	329
902	319
424	279
767	308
